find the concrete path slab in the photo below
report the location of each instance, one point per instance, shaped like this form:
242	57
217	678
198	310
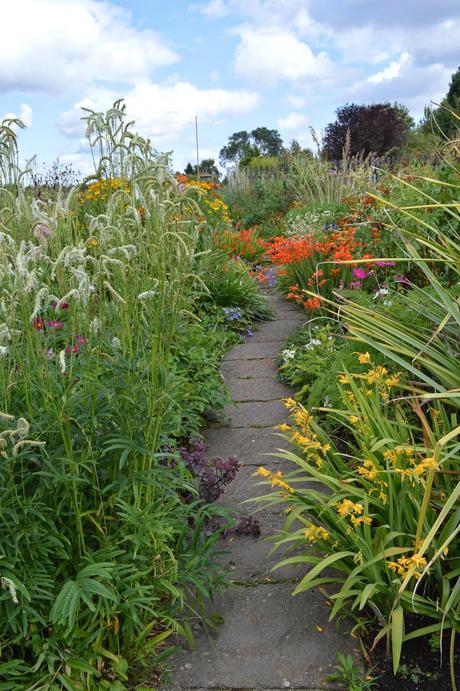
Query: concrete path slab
276	331
261	389
254	414
249	445
249	369
270	639
254	351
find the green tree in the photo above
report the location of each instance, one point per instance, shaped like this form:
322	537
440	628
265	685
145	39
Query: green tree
207	167
441	119
243	146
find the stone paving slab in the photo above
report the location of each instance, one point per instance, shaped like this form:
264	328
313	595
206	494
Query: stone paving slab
270	640
260	389
252	559
249	369
276	331
254	351
254	414
248	444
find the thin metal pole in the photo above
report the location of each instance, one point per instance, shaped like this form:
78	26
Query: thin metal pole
197	152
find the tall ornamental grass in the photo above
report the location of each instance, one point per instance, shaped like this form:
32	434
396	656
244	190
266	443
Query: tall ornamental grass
102	532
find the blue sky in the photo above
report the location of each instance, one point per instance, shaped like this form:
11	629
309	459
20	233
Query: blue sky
236	64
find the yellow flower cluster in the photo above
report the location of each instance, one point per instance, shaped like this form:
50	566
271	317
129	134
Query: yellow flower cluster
315	533
402	566
369	471
404	462
275	478
102	189
92	243
376	375
302	434
218	206
354	511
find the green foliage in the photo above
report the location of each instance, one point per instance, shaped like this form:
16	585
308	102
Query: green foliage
256	200
243	146
105	550
378	501
351	677
207	167
441	120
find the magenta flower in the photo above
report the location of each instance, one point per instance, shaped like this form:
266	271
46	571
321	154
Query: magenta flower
356	284
386	263
359	273
72	349
82	340
55	324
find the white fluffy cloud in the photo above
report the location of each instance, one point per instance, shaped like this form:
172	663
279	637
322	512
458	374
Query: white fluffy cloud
25	114
163	111
214	9
292	121
269	54
63	45
391	71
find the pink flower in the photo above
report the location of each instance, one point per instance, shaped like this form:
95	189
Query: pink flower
82	340
359	273
55	324
356	284
72	349
386	263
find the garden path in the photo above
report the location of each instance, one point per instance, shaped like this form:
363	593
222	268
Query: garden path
268	639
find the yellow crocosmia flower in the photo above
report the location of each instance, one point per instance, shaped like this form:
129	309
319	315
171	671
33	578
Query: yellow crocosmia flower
376	374
325	448
289	403
343	379
418	561
92	243
302	418
364	358
347	507
315	533
263	472
354	419
283	427
391	381
425	466
361	519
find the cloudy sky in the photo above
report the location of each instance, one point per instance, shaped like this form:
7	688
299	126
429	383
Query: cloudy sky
236	64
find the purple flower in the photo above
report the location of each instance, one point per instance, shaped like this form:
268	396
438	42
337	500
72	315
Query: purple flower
249	332
356	284
360	273
386	263
55	324
232	313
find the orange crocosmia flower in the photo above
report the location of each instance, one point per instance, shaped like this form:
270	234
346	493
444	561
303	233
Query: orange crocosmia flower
312	304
